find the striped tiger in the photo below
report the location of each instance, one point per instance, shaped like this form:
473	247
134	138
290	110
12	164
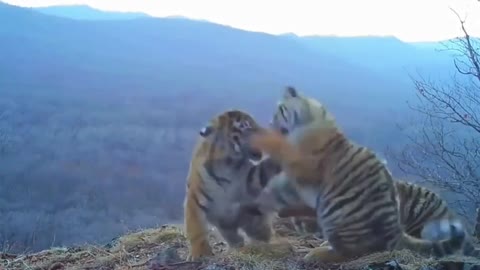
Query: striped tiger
222	174
418	207
352	191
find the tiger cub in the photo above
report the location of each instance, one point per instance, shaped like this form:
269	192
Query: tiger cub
418	206
351	190
221	176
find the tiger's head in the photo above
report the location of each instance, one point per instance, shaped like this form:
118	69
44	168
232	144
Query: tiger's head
230	132
295	110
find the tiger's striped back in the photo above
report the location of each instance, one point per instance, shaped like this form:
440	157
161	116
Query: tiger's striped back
418	206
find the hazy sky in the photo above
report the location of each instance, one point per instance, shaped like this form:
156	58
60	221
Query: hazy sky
409	20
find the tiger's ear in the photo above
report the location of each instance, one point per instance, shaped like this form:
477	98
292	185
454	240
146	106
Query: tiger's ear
205	131
290	92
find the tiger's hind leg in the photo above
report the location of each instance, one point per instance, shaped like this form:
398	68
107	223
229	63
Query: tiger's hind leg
258	228
324	254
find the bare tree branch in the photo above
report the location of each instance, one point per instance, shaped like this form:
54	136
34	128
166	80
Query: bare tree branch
444	149
477	225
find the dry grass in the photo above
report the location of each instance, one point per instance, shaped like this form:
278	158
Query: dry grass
165	248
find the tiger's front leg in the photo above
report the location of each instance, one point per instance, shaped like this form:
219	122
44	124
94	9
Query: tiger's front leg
196	230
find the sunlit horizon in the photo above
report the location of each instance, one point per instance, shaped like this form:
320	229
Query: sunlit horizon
405	20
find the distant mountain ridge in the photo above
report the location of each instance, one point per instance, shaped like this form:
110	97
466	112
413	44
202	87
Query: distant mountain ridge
85	12
147	52
382	54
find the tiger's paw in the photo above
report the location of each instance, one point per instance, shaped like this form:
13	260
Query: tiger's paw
199	251
324	254
268	141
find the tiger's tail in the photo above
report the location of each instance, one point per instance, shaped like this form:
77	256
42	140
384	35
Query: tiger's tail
457	240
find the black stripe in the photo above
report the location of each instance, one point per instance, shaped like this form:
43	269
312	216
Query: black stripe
209	165
324	147
359	164
348	162
362	204
384	226
250	178
334	147
349	180
263	175
197	202
380	189
346	150
340	204
283	110
411	211
424	214
341	141
362	220
202	191
346	184
427	203
219	180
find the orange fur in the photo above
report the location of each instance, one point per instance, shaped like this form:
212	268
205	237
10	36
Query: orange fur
196	227
298	164
298	161
221	176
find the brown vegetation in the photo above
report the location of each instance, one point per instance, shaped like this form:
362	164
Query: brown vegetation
165	248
